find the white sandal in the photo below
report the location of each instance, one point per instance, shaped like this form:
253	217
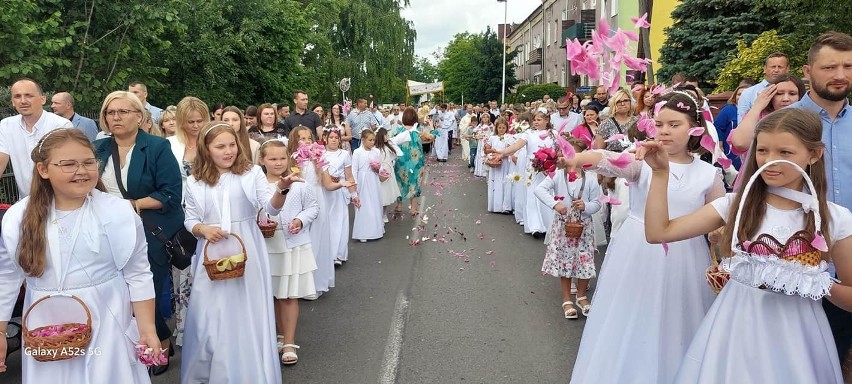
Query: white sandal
571	312
292	356
280	344
584	309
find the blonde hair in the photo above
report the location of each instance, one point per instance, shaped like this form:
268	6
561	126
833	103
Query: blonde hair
121	95
186	106
155	129
203	168
261	152
32	254
618	95
168	114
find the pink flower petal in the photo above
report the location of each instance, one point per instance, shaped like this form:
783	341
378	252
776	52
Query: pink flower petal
658	107
724	162
615	137
622	161
708	143
665	247
819	242
587	165
696	131
657	89
566	147
631	35
641	22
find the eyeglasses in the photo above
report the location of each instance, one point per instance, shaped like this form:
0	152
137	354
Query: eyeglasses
120	112
71	166
623	101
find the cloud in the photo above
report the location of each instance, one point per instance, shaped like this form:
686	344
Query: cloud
437	21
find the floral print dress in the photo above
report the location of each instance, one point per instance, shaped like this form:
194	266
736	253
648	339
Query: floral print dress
409	167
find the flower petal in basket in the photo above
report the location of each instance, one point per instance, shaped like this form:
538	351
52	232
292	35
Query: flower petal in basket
228	263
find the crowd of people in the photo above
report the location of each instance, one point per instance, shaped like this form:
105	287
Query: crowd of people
266	192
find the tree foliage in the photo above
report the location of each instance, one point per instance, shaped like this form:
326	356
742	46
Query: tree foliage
747	62
803	20
424	70
705	31
472	66
239	53
533	92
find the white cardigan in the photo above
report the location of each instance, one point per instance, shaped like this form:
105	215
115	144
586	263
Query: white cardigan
300	204
558	186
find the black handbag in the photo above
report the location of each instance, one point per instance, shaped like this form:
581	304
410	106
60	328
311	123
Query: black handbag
181	246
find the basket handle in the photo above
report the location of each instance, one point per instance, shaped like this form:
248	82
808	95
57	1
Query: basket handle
24	327
714	262
814	199
240	239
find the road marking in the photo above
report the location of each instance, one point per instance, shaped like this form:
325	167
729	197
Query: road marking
390	363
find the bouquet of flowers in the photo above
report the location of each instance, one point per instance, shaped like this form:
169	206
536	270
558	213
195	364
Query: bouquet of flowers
375	166
313	152
544	160
518	127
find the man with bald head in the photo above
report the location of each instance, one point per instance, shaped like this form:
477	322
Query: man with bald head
141	91
20	134
62	104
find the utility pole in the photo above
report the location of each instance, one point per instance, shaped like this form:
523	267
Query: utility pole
505	28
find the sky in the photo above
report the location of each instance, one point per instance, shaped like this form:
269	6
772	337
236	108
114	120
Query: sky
437	21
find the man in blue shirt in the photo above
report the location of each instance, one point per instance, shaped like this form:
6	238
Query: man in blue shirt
776	64
62	104
829	70
141	91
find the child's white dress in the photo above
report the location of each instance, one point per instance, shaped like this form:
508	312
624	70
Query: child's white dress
648	304
537	216
320	230
368	224
479	167
500	197
390	187
106	267
519	188
755	335
230	327
337	204
293	267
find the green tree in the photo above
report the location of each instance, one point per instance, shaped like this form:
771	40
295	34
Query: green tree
706	31
30	39
803	20
747	62
472	66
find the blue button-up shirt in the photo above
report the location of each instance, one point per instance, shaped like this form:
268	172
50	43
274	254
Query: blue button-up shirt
838	150
747	98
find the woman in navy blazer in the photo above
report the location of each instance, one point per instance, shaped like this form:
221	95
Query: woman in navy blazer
152	182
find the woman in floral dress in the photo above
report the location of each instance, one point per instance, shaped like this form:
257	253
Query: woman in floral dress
409	167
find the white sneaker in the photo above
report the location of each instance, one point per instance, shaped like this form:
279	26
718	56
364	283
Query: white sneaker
573	287
363	240
313	297
338	262
386	218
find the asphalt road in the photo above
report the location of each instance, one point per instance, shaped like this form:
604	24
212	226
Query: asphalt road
465	304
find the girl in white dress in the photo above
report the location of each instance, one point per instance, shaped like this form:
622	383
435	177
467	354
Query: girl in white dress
518	162
339	190
650	298
321	227
390	188
230	324
483	131
291	258
500	198
70	238
574	195
767	324
537	216
366	165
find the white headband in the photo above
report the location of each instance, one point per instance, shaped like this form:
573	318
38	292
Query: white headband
44	138
214	126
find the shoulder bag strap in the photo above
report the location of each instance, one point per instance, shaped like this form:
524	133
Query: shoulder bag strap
116	160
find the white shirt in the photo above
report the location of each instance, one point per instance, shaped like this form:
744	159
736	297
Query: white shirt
18	143
572	119
108	176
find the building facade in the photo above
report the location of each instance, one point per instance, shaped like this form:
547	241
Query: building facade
540	39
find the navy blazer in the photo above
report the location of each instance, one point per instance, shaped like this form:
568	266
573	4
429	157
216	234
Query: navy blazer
153	173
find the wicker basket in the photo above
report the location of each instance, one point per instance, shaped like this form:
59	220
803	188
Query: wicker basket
236	269
57	347
573	229
715	276
268	230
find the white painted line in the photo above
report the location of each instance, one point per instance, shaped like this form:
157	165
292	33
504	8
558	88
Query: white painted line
390	363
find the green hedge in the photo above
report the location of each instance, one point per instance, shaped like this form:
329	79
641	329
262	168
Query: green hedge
533	92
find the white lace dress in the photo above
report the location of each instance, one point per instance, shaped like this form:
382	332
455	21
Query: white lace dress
758	335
